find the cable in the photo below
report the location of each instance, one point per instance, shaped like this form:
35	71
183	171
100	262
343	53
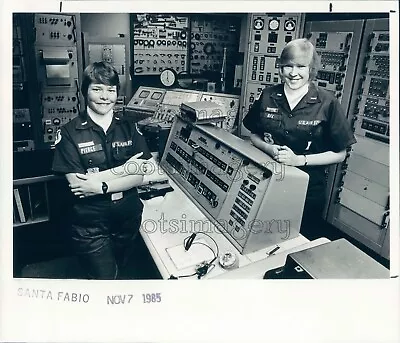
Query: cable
188	241
203	268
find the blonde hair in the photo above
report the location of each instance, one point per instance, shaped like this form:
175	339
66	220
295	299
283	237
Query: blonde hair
290	51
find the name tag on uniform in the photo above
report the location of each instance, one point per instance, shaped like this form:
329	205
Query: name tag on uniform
85	144
308	122
271	109
89	149
117	196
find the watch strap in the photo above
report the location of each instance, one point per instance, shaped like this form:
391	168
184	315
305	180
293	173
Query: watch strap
104	187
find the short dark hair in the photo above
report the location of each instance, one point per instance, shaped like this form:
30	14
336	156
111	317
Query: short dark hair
304	45
99	72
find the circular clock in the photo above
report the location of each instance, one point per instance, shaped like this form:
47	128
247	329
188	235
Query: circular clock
168	77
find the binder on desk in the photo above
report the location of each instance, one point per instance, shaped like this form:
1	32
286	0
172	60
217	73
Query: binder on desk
18	202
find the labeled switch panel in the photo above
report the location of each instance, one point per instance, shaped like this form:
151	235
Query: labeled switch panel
226	178
160	42
208	38
372	108
334	49
55	29
58	109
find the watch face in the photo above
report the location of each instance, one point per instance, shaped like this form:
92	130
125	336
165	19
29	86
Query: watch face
168	77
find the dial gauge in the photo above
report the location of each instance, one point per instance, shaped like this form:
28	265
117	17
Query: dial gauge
274	24
258	24
290	25
168	77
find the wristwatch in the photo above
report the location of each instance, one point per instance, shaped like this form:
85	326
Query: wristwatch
104	187
144	167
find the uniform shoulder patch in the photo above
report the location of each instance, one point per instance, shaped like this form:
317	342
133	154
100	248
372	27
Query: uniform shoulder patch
58	137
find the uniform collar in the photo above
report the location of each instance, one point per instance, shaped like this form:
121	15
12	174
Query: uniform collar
311	97
85	122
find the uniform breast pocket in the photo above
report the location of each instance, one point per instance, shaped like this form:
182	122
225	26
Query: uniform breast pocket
93	159
270	121
304	131
122	154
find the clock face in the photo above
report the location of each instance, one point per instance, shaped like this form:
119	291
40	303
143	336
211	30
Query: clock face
168	77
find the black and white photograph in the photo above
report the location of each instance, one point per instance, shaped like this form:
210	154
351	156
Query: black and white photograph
161	147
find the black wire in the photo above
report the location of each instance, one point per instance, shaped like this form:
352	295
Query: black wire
209	264
188	275
216	245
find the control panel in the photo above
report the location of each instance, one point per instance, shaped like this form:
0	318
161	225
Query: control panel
237	187
58	65
160	41
267	36
334	49
23	133
372	111
58	109
208	38
162	105
359	203
55	29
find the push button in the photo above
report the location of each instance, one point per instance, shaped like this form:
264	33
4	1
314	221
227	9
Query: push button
90	162
286	132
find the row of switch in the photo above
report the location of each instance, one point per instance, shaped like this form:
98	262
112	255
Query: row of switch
160	42
54	21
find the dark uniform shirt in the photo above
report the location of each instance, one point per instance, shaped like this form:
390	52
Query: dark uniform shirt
317	124
83	147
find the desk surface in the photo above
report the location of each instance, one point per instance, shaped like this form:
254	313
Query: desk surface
168	220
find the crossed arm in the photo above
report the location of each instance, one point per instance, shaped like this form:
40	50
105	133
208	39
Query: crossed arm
126	176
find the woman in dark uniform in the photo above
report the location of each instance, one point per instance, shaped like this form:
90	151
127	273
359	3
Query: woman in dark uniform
104	158
300	124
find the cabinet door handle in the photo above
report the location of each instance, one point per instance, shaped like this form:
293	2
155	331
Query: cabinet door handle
385	220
